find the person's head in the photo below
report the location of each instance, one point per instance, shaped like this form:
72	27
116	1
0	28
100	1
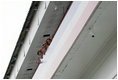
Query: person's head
40	54
48	41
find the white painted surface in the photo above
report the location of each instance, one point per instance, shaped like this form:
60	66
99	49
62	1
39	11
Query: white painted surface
12	16
64	41
109	68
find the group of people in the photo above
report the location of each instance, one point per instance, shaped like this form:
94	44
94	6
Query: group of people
42	51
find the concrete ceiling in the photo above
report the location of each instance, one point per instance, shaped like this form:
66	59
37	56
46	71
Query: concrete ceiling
96	42
48	25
